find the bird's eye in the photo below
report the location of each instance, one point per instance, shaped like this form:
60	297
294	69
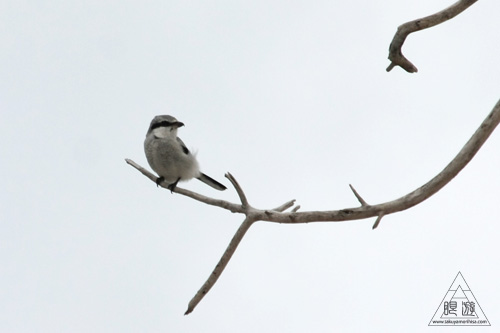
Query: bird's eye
164	123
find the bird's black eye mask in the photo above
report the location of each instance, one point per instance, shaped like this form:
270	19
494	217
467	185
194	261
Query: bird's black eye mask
164	123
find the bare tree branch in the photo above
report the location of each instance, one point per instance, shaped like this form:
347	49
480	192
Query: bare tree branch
234	208
395	54
364	211
238	236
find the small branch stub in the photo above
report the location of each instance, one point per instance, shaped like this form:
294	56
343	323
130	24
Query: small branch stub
284	206
377	221
360	199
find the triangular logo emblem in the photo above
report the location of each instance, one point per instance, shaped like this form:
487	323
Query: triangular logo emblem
459	307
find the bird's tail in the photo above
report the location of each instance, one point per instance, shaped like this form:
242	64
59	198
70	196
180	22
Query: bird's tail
212	182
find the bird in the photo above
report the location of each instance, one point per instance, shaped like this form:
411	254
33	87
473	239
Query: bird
169	157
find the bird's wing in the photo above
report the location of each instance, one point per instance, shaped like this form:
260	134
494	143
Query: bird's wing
183	146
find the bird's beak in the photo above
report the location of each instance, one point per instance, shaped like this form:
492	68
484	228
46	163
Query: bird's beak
178	124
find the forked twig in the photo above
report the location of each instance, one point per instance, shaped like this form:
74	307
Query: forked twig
396	55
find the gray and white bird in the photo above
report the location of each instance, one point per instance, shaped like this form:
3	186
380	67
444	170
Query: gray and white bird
169	157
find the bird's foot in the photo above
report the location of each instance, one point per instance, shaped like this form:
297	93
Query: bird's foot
172	186
159	180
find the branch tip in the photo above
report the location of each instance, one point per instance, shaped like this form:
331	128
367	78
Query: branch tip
239	190
360	199
295	209
284	206
390	67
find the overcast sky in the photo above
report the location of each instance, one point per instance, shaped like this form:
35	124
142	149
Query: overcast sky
293	99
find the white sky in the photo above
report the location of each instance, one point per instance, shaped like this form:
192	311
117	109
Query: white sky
293	99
